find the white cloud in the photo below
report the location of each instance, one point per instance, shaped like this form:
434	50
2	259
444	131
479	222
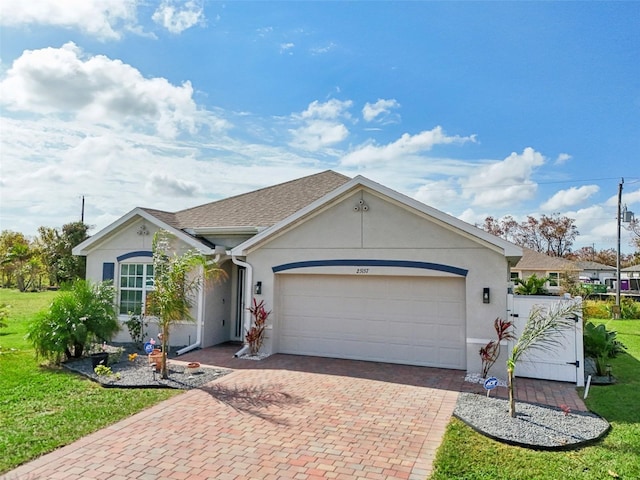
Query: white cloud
321	125
162	184
48	163
570	197
438	194
264	31
63	81
103	19
504	183
319	134
372	110
178	16
286	47
596	224
563	158
324	49
631	198
329	110
406	145
472	217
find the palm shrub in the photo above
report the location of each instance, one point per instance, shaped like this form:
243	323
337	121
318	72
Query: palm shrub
601	344
79	314
533	285
175	285
542	332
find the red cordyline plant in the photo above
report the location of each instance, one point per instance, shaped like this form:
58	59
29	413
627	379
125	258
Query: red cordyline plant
255	335
491	351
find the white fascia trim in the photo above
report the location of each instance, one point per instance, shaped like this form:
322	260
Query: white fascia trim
85	247
509	249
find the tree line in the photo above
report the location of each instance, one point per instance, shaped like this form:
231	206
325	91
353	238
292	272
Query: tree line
31	264
554	235
46	260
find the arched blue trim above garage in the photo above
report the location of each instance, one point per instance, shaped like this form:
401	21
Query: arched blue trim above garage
371	263
140	253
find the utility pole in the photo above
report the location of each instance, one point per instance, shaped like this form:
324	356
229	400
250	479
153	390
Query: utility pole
617	313
82	212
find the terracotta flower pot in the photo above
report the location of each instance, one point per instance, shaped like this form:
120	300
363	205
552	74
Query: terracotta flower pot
156	358
192	368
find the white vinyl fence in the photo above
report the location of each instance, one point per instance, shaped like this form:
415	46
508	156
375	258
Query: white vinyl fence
564	363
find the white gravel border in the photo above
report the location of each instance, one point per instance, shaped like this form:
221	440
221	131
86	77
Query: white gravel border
535	426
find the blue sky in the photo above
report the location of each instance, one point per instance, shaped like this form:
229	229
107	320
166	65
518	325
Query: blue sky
477	109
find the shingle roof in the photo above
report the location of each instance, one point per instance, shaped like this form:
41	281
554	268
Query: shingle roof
167	217
589	265
532	260
260	208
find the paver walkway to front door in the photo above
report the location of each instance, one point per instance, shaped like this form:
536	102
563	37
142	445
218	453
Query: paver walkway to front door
285	417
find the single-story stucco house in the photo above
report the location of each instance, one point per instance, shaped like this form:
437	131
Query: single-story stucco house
595	272
348	268
542	265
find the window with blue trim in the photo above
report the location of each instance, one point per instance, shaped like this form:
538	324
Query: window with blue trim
136	281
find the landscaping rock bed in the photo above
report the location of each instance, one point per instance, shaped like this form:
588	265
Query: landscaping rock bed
535	426
137	373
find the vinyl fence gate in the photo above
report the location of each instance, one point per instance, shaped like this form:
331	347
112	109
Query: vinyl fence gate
564	363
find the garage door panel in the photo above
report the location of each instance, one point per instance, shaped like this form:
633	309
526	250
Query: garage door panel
409	320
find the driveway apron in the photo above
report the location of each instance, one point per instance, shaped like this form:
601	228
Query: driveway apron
286	417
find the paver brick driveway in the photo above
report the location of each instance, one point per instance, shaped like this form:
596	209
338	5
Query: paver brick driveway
284	417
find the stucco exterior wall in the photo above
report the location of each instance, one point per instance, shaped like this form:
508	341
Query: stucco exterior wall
123	241
391	232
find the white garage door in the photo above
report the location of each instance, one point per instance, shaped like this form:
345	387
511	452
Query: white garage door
408	320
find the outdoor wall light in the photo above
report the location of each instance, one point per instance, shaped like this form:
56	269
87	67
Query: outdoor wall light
257	289
486	296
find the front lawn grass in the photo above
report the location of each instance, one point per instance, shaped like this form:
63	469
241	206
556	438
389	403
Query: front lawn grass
43	408
465	454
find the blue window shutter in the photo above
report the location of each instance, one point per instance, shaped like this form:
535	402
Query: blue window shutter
108	270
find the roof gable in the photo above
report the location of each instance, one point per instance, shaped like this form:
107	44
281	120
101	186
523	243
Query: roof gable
103	235
507	248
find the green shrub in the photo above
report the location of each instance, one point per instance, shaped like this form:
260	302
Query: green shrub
533	285
79	315
595	309
137	324
601	344
629	308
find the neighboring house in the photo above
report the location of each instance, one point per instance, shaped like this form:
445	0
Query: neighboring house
594	272
348	268
542	265
630	278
